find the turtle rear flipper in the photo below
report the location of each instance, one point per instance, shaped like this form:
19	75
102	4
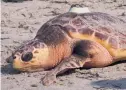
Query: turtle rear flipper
89	54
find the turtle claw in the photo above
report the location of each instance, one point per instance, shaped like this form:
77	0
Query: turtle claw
48	79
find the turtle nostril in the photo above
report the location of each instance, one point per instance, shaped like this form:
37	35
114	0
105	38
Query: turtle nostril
27	57
14	57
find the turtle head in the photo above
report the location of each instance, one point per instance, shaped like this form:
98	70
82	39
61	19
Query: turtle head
31	56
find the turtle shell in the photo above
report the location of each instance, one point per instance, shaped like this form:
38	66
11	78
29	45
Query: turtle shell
98	25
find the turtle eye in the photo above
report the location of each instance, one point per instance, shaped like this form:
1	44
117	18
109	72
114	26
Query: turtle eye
27	57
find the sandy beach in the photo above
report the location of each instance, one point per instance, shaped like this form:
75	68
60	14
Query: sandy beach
20	22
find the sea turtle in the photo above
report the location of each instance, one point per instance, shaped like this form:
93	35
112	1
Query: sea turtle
73	40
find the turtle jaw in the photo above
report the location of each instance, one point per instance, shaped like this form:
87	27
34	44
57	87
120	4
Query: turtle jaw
26	67
20	65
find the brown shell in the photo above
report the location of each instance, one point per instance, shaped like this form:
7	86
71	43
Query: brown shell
104	26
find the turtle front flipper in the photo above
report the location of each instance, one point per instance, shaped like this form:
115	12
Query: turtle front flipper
85	54
73	61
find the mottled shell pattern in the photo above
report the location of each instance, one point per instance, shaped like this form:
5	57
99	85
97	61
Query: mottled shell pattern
97	25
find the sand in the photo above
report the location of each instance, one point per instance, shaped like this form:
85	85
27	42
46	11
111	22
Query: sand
20	22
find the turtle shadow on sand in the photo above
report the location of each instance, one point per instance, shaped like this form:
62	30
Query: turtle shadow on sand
116	84
8	69
119	62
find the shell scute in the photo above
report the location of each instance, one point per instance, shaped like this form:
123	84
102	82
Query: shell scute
60	21
86	30
113	42
78	22
101	36
69	28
